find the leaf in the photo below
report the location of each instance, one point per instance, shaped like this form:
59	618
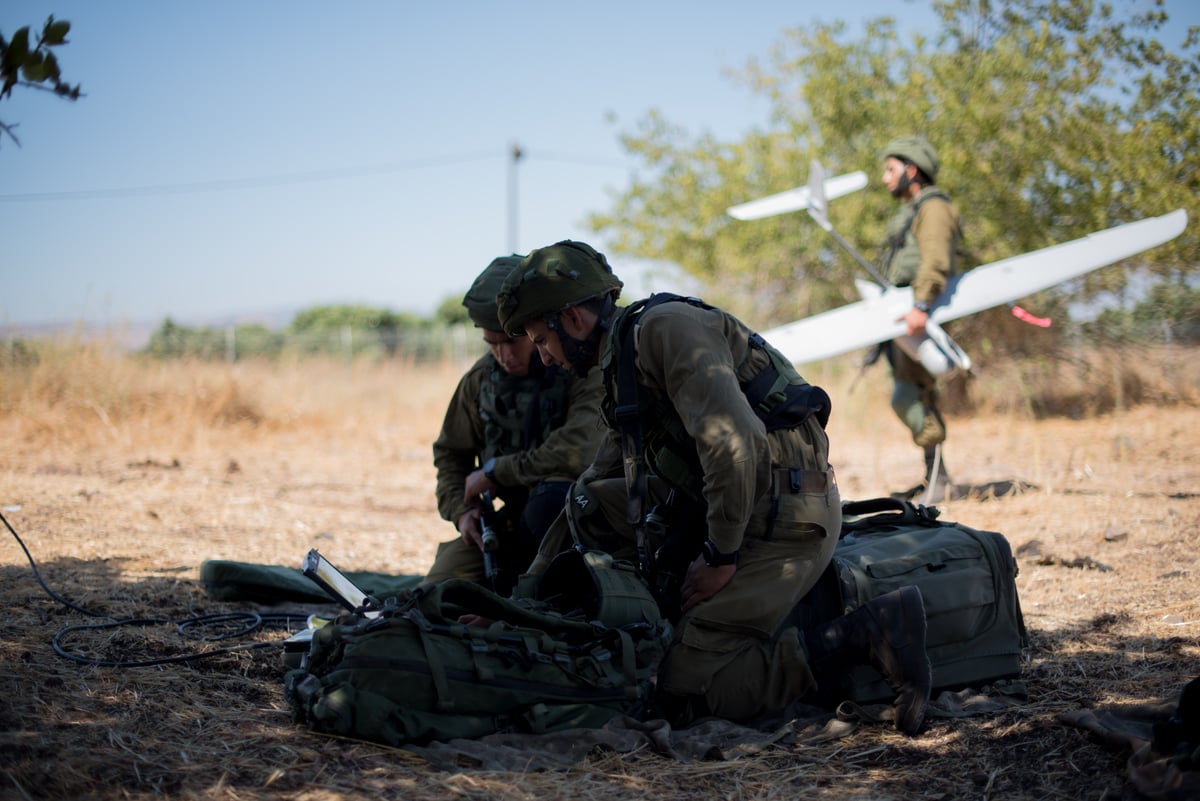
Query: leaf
50	67
55	33
18	49
16	53
34	68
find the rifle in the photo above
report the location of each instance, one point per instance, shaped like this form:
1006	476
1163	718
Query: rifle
491	540
678	533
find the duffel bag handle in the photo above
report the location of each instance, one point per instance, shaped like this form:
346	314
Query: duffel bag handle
875	512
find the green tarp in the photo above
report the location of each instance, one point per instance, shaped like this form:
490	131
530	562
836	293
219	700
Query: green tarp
272	584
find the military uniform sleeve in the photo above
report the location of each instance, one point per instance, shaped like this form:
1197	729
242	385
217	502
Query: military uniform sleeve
936	229
685	352
568	449
457	448
609	461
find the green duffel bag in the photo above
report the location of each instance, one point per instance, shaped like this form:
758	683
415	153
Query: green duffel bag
976	632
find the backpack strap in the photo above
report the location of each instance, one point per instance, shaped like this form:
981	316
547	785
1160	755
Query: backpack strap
437	669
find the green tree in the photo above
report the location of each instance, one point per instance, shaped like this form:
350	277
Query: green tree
451	312
174	341
366	328
33	65
1053	118
257	341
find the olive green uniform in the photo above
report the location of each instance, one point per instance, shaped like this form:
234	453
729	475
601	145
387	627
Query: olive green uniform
923	243
559	455
770	496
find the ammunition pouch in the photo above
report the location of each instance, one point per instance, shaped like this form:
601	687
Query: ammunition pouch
778	402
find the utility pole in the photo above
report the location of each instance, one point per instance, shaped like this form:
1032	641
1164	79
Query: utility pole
512	197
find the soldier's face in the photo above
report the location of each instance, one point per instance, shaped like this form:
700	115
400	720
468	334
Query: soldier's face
513	353
549	346
894	171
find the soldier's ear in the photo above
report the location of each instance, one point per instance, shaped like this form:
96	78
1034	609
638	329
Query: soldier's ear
577	322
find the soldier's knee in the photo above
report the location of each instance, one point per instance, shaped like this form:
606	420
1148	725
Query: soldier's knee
932	431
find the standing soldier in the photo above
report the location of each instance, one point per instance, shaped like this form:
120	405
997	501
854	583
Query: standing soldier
923	243
515	431
714	479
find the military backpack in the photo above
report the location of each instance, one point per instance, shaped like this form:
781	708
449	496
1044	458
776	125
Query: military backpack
583	650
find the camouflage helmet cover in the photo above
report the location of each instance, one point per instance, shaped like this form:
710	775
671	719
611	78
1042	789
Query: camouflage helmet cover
480	299
916	149
552	278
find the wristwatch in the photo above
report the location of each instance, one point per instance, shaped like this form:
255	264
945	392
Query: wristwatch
489	470
714	557
921	306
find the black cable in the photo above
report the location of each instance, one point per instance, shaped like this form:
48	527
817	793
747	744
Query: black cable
251	622
87	660
38	575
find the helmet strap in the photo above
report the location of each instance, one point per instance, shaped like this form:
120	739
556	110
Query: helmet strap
581	353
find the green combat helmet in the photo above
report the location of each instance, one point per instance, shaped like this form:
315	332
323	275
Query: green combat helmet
916	149
552	278
480	299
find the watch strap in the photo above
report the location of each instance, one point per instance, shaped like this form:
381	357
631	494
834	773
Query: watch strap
713	557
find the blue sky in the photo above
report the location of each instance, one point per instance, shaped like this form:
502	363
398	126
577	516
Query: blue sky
239	158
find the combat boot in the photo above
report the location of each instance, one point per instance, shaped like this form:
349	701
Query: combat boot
887	633
938	486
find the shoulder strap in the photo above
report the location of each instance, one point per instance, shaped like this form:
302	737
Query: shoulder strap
627	413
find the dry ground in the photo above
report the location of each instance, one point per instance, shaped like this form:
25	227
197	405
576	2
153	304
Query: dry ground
121	479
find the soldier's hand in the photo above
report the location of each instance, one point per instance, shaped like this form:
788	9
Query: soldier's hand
914	322
469	528
477	483
703	582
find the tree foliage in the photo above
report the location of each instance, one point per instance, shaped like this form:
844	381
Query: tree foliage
451	311
1169	311
174	341
1053	119
354	316
372	327
33	65
342	331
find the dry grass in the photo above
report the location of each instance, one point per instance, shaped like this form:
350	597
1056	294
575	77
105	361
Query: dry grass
121	477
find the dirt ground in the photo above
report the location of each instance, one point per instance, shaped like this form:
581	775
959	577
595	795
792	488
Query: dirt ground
118	512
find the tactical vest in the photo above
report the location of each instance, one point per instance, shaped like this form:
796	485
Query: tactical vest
652	431
519	413
904	255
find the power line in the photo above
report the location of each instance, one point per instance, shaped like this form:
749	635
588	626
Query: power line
285	179
579	161
223	185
